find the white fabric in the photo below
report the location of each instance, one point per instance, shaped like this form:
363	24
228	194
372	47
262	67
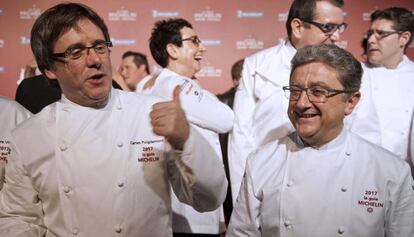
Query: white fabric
141	84
11	114
211	117
385	111
103	172
260	107
349	187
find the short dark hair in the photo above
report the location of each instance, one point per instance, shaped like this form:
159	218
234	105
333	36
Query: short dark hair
348	67
139	59
402	18
55	21
305	10
236	70
164	33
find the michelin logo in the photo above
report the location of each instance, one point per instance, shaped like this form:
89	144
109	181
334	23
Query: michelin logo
209	71
241	14
31	13
122	15
123	41
211	42
156	13
24	40
249	43
283	16
207	15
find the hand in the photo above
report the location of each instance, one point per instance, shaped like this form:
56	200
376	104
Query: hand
168	119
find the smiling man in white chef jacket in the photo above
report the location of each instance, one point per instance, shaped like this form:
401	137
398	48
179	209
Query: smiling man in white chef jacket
100	162
323	180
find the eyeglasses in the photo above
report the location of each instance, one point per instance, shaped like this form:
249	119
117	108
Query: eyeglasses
380	34
194	39
79	51
315	94
329	28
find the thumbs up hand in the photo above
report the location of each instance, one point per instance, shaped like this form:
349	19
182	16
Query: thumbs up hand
168	119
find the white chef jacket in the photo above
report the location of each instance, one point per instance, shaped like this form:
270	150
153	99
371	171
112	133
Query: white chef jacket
348	187
211	117
385	111
260	107
141	84
11	114
103	172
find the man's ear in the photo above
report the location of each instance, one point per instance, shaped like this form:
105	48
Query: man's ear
50	74
351	102
297	28
404	38
172	51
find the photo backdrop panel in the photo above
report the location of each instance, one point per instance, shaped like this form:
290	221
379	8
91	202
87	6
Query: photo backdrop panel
230	29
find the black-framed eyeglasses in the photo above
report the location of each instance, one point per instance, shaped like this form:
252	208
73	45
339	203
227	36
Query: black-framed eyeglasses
328	28
194	39
79	51
380	34
315	94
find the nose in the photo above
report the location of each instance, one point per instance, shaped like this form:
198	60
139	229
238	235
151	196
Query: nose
303	100
202	48
335	36
371	38
93	58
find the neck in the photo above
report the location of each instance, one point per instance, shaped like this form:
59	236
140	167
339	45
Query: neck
181	69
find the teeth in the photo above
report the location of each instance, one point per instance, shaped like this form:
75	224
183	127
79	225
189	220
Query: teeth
307	115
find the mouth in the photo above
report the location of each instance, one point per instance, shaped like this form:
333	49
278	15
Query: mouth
306	115
96	78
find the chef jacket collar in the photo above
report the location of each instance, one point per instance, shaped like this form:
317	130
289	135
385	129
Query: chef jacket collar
336	142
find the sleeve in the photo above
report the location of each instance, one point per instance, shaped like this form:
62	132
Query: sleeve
204	109
241	142
400	216
190	174
245	216
20	207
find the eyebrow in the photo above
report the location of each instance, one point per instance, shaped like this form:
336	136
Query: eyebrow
80	45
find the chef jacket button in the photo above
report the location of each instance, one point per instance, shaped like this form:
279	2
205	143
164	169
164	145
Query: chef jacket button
344	189
288	224
63	147
118	229
347	153
118	107
66	189
75	231
341	230
290	183
120	144
120	184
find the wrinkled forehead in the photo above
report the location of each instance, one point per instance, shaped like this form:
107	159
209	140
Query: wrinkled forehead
315	73
326	12
382	24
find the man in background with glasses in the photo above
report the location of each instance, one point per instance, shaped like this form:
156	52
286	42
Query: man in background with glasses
176	47
260	106
387	106
100	162
323	180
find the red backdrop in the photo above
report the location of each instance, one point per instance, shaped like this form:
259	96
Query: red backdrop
230	29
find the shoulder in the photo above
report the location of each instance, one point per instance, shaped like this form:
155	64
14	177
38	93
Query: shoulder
376	157
13	110
264	55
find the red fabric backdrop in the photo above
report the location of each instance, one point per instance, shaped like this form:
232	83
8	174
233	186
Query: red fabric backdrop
230	29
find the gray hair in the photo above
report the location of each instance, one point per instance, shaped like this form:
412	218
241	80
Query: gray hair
347	66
